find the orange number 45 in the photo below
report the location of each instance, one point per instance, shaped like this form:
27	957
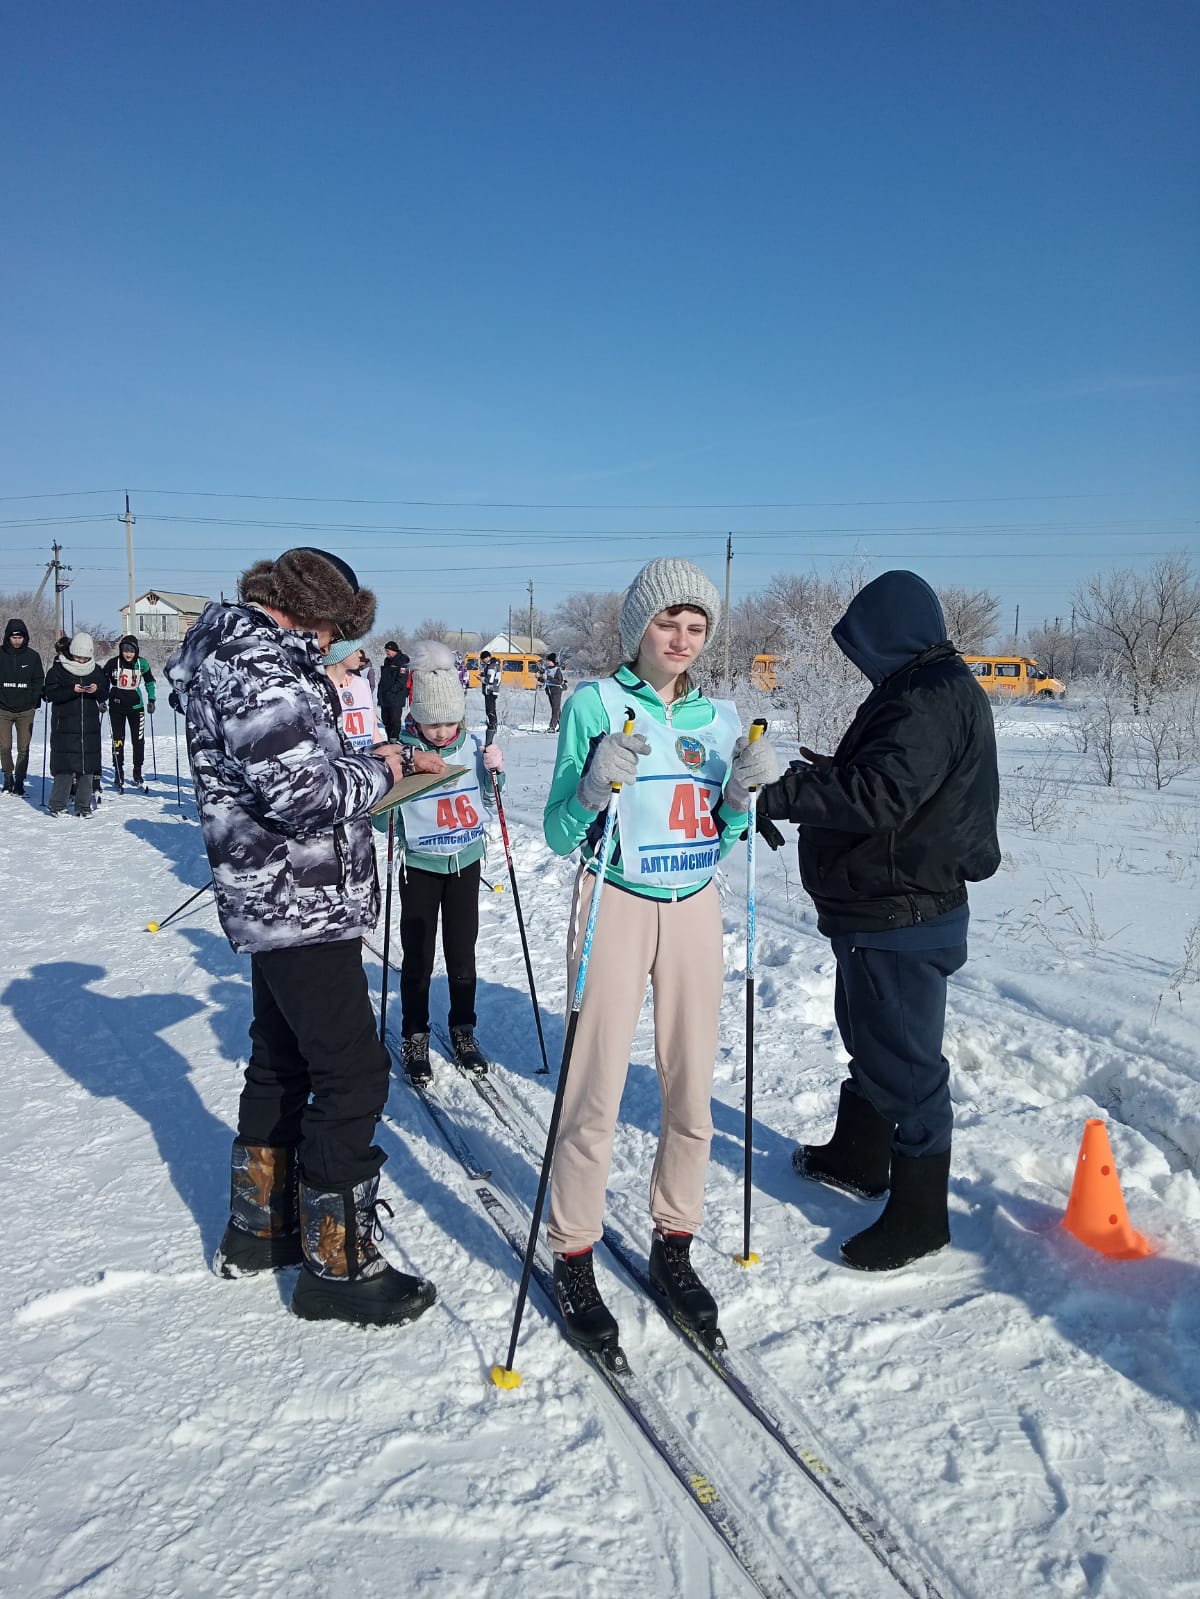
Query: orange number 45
690	812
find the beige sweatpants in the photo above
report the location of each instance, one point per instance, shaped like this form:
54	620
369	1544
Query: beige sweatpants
677	945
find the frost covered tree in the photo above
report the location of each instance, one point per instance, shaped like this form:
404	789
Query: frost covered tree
1148	624
970	617
585	633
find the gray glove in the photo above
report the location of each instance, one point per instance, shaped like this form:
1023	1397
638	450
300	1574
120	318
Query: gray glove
754	765
614	760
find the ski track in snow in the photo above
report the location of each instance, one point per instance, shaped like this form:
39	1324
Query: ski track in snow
1020	1412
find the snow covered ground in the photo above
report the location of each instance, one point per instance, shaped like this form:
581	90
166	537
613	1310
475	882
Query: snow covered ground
1022	1413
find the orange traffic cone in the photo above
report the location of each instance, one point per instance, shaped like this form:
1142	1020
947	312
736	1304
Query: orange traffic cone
1096	1213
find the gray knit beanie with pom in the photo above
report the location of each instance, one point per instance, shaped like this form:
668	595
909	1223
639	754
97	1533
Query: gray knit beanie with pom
437	694
659	585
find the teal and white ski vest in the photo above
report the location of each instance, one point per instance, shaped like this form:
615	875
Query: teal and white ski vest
668	834
446	820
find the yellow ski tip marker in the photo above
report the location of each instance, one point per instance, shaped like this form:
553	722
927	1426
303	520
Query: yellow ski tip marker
152	927
503	1377
746	1261
757	728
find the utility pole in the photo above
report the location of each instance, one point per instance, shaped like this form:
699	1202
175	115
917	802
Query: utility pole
533	713
728	574
60	587
1016	627
129	521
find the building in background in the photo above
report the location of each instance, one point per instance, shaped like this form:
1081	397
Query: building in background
158	615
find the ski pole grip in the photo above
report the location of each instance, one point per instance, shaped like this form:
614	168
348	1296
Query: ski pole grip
627	728
757	728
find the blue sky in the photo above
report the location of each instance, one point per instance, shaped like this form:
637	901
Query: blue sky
562	286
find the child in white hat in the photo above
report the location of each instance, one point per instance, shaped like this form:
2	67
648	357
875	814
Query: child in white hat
443	845
686	776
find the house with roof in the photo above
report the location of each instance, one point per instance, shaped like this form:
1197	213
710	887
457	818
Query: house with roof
162	616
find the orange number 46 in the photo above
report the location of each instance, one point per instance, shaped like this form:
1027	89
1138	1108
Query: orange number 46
456	813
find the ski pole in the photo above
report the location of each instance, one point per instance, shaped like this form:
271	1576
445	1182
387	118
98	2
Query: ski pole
544	1069
157	927
387	922
504	1376
178	789
747	1256
153	749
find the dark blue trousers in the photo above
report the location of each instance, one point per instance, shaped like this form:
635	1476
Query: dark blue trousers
890	1006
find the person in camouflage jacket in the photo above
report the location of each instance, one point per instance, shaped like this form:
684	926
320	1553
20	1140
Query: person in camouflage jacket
284	807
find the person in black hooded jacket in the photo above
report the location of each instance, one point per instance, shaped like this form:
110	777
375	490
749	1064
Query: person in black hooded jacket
893	826
21	679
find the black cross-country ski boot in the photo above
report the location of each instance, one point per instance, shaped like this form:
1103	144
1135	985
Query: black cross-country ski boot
263	1233
344	1277
915	1220
587	1320
673	1278
858	1158
467	1051
415	1060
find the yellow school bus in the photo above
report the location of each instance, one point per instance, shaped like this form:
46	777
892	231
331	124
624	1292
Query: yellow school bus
1014	676
762	673
517	670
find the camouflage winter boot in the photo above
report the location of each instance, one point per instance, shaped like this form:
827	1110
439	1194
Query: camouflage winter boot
264	1226
345	1278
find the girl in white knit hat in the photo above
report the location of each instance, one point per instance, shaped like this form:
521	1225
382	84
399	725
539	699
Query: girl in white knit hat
686	776
76	689
442	844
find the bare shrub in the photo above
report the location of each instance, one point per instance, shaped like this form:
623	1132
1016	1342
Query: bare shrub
1034	794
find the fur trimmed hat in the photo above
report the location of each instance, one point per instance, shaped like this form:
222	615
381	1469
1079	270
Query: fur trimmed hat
659	585
312	586
437	693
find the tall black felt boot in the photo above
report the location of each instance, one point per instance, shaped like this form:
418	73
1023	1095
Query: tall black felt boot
263	1233
857	1159
345	1278
915	1220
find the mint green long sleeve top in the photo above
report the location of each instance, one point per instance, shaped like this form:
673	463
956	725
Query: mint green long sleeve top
569	826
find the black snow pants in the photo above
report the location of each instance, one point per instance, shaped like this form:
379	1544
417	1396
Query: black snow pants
318	1075
422	896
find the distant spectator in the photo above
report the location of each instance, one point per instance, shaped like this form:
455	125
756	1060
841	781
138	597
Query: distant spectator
554	680
393	688
21	678
76	688
490	673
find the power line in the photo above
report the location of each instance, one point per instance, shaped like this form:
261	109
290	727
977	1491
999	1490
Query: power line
581	505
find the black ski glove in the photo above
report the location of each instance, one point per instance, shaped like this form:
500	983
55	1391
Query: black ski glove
765	827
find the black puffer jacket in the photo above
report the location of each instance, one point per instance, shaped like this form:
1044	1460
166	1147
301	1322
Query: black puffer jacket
21	672
75	719
905	815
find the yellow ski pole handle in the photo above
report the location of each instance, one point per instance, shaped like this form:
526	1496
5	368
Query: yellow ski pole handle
757	728
627	728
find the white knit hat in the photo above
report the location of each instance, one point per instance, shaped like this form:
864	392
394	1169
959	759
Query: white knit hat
81	644
437	693
660	584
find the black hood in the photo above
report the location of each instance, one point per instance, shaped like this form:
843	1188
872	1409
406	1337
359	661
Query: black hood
896	617
15	621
